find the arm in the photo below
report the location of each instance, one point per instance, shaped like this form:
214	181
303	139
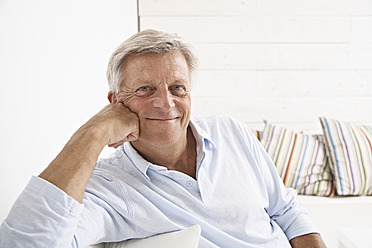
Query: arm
283	206
71	169
312	240
291	216
47	216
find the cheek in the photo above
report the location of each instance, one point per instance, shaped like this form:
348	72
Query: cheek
128	98
185	105
133	104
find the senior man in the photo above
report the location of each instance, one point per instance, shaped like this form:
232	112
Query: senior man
169	171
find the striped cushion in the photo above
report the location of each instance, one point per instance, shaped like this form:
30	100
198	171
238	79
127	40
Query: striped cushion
257	133
350	151
300	160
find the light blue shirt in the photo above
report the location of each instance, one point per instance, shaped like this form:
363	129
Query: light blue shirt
238	198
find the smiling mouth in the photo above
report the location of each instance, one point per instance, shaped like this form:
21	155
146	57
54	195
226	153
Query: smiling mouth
162	119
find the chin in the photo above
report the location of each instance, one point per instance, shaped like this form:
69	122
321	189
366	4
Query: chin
162	139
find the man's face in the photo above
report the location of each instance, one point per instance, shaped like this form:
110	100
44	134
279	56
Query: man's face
157	88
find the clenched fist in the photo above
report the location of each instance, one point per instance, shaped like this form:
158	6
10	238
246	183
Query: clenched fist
116	124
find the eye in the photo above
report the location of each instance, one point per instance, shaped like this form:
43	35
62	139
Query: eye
144	91
143	88
178	90
177	87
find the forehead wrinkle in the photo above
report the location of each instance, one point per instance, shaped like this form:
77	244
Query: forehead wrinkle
154	76
155	68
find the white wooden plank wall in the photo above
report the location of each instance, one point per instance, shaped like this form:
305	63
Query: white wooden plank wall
284	61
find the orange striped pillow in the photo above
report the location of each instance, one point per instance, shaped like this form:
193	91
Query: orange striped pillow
257	134
300	159
350	151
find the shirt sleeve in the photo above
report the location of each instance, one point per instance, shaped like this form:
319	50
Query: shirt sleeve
42	216
45	216
284	207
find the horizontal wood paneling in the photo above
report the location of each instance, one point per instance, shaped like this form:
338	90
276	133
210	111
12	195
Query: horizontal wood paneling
238	29
286	109
285	61
283	83
361	29
254	7
285	56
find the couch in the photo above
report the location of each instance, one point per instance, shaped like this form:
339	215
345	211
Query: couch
332	214
331	172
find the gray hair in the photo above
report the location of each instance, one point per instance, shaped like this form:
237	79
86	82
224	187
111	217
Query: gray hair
147	41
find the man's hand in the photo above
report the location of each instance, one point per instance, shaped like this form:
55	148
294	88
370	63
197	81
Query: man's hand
115	125
72	168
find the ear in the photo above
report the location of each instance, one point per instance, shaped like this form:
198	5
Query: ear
111	96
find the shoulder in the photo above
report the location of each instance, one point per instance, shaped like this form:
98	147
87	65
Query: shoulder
216	121
117	163
225	127
224	123
112	171
107	161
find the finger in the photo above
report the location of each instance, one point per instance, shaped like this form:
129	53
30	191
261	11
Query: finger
127	108
131	137
117	144
120	101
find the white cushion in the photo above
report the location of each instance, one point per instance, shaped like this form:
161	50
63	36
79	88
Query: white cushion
187	238
97	246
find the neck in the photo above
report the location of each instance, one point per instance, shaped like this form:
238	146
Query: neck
179	156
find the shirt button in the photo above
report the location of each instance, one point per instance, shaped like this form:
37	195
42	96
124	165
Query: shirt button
189	183
171	174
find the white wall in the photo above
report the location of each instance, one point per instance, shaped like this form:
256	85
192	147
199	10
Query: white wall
53	58
284	61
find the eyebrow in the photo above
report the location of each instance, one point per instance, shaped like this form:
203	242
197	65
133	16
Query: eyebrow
140	81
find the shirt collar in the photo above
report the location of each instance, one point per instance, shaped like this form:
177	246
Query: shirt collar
201	136
138	161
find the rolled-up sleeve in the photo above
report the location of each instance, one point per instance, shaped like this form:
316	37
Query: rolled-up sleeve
284	207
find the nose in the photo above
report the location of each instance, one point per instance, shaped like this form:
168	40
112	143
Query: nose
163	98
